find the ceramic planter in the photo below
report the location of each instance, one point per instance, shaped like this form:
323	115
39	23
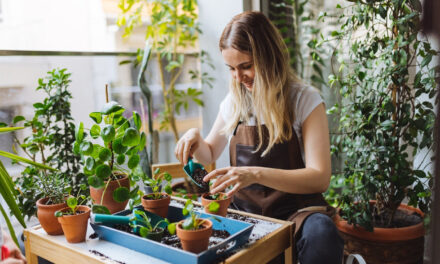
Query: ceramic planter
224	204
159	207
46	216
195	241
75	226
402	245
108	200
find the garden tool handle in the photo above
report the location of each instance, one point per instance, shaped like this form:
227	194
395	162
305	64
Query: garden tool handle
191	166
109	219
5	252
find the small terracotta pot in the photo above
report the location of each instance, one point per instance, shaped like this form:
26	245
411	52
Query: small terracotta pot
46	216
159	207
224	204
75	226
108	200
195	241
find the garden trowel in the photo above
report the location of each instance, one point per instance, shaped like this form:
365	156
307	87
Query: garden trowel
190	168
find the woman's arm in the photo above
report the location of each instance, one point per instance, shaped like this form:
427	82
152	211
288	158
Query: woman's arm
314	178
207	150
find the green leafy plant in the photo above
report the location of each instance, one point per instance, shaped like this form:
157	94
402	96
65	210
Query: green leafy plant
173	28
117	143
144	223
156	184
386	117
52	135
73	206
193	222
7	186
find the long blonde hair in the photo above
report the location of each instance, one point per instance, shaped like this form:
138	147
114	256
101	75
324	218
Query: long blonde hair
271	95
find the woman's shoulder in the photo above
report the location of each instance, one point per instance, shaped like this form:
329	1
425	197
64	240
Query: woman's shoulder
305	99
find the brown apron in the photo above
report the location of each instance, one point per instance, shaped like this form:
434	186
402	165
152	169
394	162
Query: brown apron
259	199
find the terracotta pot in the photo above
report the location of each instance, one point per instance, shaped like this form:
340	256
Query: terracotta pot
189	195
195	241
75	226
46	216
159	207
224	204
402	245
108	201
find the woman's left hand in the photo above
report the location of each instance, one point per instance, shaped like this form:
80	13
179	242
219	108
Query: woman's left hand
239	177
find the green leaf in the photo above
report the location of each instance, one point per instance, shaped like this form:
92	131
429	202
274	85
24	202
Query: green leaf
90	163
137	120
131	137
58	214
172	228
143	231
118	148
121	194
133	161
111	107
96	116
79	132
108	133
213	207
86	148
103	171
120	159
188	223
105	154
100	209
95	131
142	142
72	202
20	159
95	182
18	119
9	129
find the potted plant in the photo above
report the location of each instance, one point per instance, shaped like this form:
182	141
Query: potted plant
216	203
117	143
74	219
50	142
142	223
386	119
193	232
159	200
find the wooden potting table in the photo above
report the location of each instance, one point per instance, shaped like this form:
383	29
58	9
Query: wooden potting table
57	250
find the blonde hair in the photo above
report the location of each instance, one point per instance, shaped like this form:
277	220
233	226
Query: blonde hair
271	95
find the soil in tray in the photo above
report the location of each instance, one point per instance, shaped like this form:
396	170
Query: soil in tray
242	218
172	240
198	176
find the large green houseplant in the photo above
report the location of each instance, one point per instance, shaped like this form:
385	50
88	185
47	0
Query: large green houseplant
113	142
386	117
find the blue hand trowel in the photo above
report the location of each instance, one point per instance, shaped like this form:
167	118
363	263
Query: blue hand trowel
190	168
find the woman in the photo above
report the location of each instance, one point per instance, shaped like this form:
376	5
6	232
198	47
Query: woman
278	139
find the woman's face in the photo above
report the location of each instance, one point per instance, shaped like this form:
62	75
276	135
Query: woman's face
241	66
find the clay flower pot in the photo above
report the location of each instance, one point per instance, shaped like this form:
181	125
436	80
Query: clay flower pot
46	216
75	226
108	200
385	245
195	241
159	207
224	204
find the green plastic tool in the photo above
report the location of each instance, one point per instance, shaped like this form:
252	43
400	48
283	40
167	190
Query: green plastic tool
189	169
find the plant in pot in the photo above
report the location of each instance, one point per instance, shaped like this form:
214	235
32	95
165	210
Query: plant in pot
52	135
193	231
74	219
386	119
216	203
159	199
7	190
117	143
143	225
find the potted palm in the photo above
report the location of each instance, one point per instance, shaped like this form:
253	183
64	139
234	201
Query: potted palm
117	143
50	141
159	199
386	119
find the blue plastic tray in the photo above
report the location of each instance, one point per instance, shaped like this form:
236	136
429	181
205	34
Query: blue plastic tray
239	233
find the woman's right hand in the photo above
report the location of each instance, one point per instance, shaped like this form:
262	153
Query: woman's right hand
187	144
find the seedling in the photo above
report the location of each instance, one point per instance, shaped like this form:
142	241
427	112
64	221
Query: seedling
72	203
142	223
156	184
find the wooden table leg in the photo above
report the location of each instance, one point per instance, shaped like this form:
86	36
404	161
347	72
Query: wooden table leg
31	258
288	256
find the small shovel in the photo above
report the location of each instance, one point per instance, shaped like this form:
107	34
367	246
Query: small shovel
190	168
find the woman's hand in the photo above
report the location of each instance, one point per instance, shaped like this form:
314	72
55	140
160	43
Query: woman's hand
15	255
239	177
187	144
